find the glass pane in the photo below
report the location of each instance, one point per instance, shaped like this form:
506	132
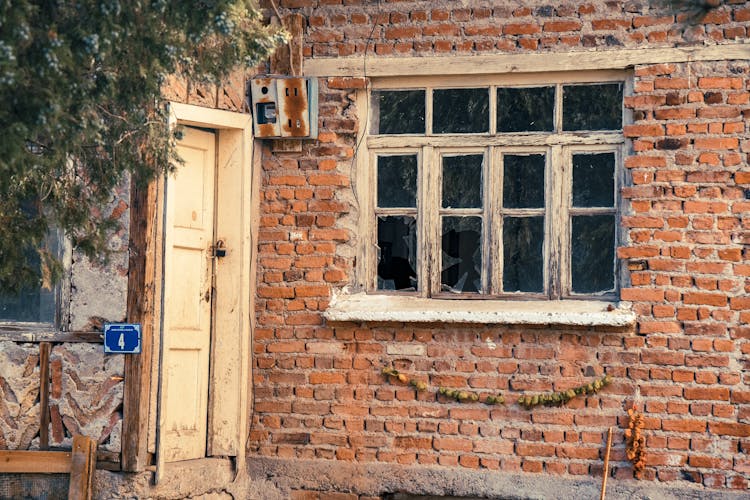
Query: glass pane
399	111
594	180
523	181
397	181
36	305
593	253
523	254
462	181
460	111
462	254
525	109
592	107
397	263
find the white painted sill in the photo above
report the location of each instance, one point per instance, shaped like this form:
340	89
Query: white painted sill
402	309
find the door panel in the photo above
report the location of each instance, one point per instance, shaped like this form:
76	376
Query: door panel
187	298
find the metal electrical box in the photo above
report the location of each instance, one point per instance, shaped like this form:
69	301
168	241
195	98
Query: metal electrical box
285	107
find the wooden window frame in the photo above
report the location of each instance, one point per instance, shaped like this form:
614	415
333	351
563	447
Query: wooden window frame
558	147
57	329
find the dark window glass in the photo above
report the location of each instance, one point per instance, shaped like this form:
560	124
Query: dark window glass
37	306
592	253
523	254
399	111
594	180
525	109
397	181
462	181
462	254
592	107
523	181
33	305
397	263
460	111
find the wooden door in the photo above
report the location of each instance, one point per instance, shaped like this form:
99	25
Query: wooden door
188	266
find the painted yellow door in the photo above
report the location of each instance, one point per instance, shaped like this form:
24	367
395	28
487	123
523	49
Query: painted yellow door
189	225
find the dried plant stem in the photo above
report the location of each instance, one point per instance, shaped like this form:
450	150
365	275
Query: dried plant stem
605	473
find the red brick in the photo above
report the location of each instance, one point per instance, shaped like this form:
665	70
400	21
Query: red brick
729	429
707	393
451	444
702	298
560	26
609	24
521	29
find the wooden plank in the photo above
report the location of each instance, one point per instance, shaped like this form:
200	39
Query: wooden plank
522	63
16	334
44	352
520	140
82	467
140	304
34	462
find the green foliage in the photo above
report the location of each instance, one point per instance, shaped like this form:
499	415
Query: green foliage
80	87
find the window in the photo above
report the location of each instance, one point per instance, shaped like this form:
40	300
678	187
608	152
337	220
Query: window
491	188
37	304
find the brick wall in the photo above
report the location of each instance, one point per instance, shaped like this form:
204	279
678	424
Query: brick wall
319	393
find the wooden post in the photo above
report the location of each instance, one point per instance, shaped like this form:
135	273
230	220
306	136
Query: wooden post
605	473
140	309
44	352
82	468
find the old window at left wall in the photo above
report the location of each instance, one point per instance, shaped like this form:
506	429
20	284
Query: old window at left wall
38	304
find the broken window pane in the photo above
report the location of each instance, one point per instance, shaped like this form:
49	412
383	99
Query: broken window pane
462	181
594	180
462	254
397	181
523	181
592	107
527	109
461	111
399	111
523	257
593	253
397	262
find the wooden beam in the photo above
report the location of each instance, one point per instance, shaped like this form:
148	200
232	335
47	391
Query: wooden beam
521	63
34	462
14	335
44	352
82	468
140	309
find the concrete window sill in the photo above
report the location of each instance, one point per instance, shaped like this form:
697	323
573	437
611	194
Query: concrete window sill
401	309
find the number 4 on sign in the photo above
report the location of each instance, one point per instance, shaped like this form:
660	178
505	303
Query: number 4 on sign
122	338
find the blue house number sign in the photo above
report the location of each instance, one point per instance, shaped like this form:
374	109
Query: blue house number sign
122	338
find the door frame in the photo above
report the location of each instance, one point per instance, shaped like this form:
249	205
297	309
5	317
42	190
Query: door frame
239	171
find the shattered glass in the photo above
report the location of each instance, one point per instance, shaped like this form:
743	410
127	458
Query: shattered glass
397	260
461	254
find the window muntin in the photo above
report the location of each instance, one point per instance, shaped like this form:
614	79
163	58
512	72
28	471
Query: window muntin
547	194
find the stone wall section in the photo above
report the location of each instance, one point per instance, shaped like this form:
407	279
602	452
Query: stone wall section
19	395
319	391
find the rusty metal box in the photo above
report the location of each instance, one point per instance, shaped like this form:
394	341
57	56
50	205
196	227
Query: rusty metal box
285	107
